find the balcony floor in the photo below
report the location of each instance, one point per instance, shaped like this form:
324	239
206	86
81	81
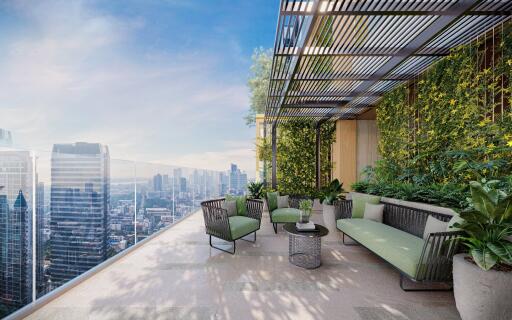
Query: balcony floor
178	276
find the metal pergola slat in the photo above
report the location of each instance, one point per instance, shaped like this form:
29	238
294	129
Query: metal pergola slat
350	52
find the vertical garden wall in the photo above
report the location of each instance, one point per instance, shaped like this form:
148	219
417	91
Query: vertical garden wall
451	125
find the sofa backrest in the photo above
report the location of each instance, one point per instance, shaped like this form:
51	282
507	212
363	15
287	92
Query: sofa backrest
410	220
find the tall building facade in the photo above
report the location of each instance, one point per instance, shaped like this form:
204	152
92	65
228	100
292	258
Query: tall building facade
237	180
79	209
16	178
41	281
5	138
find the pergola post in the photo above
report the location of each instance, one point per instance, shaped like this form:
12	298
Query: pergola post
318	151
274	156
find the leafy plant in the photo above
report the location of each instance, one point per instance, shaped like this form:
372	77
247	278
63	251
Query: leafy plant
487	223
306	206
255	190
332	192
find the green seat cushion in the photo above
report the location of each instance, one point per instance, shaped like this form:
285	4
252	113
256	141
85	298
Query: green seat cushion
241	226
359	202
272	200
284	215
241	204
401	249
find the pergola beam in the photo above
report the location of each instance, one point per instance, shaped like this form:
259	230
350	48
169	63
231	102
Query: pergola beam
450	12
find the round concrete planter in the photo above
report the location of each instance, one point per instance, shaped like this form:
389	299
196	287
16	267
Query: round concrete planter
479	294
329	217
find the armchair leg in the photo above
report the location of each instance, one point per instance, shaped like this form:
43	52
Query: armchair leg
230	252
275	227
253	241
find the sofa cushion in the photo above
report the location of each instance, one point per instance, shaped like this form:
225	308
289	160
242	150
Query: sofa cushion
401	249
284	215
272	200
230	207
374	212
241	226
434	225
283	201
241	204
359	202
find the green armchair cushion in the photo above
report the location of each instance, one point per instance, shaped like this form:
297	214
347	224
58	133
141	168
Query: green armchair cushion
241	204
401	249
272	200
285	215
359	202
241	226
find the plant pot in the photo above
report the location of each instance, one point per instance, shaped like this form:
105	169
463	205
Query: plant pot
479	294
329	217
317	205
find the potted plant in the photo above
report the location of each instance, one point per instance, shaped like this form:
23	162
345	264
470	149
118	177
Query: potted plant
305	206
255	190
482	278
330	194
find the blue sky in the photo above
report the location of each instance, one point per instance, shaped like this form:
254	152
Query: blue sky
156	80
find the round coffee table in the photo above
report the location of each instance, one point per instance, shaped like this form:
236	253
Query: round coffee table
305	246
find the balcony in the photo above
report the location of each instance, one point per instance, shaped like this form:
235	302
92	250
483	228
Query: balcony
175	274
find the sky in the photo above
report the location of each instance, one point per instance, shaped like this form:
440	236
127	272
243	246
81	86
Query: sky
156	80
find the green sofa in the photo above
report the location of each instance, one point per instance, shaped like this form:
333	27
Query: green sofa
231	228
399	241
282	215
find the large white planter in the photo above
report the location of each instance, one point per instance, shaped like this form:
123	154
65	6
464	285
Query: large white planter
479	294
329	218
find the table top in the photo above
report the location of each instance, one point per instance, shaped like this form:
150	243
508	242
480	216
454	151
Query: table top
321	231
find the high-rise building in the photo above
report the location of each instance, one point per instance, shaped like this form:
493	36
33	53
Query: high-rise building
183	184
14	281
237	180
41	283
16	178
5	138
79	207
157	182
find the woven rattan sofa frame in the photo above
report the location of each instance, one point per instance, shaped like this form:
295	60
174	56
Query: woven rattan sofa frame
217	221
436	259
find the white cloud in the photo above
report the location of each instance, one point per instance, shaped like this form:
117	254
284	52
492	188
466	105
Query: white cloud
74	74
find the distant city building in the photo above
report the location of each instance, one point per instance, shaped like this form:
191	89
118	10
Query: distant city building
41	282
237	180
79	206
16	178
5	138
157	182
14	281
183	184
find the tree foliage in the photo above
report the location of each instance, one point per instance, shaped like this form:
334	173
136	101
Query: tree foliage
296	156
258	83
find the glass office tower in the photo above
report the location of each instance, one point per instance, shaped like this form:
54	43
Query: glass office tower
79	209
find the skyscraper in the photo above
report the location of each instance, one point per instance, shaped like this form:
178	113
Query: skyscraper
157	182
41	287
237	180
14	282
79	206
5	138
16	178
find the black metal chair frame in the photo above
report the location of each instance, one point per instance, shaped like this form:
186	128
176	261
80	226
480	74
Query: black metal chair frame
436	259
217	221
293	202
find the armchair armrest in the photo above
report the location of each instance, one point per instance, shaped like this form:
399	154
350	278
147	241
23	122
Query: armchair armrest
216	219
254	208
343	209
437	256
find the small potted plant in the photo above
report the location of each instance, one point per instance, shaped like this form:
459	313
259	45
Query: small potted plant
482	279
305	207
330	194
255	190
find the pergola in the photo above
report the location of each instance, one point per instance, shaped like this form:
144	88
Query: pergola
334	59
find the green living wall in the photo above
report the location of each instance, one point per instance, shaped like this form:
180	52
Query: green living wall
296	156
450	126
